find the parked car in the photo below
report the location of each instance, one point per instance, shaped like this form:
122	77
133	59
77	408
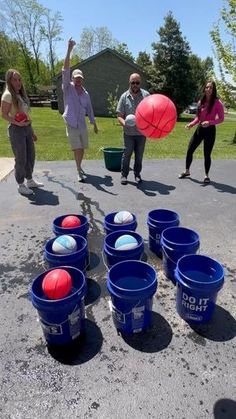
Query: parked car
192	108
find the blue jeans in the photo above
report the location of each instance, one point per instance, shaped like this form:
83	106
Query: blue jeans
136	144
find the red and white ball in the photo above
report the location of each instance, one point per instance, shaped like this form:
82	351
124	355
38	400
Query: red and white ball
156	116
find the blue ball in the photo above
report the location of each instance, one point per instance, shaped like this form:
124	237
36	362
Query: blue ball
63	245
126	242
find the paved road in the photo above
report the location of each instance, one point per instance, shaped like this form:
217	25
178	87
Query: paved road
172	371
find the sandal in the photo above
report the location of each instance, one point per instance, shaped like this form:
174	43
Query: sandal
183	175
206	180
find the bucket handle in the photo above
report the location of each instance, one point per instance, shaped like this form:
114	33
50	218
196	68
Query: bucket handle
59	324
164	251
104	262
112	307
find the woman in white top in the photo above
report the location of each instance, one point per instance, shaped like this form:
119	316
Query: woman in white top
15	110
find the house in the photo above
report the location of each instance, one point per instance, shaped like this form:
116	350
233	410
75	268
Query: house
103	72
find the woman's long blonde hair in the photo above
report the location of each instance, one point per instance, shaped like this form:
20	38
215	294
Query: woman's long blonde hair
15	100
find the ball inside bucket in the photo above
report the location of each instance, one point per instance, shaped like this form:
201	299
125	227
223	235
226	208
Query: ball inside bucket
64	245
71	221
77	258
123	217
80	229
198	278
131	284
131	249
57	284
110	225
62	320
126	242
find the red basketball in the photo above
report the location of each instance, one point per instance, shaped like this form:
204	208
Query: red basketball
57	284
155	116
21	117
71	221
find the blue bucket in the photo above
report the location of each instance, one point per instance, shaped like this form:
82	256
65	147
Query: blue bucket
62	320
77	259
82	230
157	221
114	255
177	242
198	280
110	226
131	285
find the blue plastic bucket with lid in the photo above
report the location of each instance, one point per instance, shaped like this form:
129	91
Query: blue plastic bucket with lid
110	226
81	230
177	242
114	255
157	221
62	320
78	258
198	279
131	285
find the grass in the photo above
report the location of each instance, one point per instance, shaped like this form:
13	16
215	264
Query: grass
52	142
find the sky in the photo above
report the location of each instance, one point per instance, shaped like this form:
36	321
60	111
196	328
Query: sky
136	23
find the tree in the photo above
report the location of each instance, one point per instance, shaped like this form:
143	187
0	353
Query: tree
112	100
51	31
144	60
172	75
202	70
94	40
122	49
24	18
226	50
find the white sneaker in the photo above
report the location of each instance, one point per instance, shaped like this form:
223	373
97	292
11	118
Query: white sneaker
31	183
80	177
23	190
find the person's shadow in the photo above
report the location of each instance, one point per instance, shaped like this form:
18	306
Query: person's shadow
98	181
221	187
43	197
152	188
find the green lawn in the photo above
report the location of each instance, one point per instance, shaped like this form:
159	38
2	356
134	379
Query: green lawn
52	142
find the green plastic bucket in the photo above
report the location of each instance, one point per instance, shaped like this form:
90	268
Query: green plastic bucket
112	158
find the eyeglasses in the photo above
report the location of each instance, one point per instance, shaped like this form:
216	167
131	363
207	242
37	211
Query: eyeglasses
135	82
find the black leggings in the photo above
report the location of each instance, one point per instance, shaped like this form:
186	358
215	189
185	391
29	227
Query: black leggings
208	136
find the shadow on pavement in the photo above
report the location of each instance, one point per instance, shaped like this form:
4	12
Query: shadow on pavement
221	327
43	197
225	409
82	350
154	340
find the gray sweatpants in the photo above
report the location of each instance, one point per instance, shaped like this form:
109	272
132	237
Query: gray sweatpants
22	145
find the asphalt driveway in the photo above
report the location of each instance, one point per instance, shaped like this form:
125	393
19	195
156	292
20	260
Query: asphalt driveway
172	371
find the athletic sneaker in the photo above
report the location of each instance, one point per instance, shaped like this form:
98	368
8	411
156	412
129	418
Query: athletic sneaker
23	190
138	179
31	183
123	180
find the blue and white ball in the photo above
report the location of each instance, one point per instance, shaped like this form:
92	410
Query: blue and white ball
126	242
130	120
123	217
63	245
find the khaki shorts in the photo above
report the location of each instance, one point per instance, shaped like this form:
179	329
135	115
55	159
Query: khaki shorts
77	138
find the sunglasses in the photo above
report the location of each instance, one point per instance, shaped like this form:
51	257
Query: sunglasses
135	82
